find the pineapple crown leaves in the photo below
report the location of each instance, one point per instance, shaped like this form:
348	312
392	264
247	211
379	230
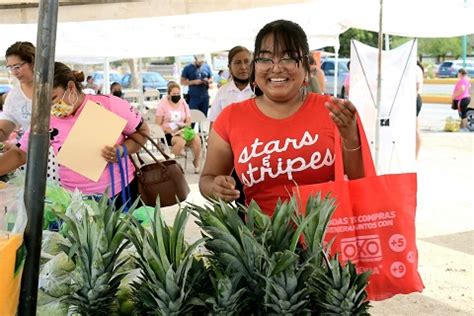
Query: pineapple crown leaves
161	246
339	290
95	242
228	298
314	232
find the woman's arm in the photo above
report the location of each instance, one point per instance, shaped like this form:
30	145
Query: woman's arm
215	180
11	160
6	128
110	152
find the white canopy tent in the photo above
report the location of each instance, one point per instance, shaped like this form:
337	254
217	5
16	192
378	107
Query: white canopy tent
93	41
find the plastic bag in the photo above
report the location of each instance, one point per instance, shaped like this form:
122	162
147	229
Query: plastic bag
12	251
452	125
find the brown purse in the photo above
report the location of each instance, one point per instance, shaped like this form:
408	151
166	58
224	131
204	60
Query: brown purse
161	178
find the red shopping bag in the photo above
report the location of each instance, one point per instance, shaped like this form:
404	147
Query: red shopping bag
373	224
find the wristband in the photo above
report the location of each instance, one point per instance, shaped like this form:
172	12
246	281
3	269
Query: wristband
351	149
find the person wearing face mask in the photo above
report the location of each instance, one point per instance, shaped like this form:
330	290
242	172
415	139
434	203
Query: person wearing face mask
68	102
16	113
116	89
173	115
197	76
237	89
284	136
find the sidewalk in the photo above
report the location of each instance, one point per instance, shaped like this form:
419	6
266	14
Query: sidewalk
445	222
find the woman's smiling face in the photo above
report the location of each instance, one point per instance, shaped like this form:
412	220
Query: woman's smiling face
281	80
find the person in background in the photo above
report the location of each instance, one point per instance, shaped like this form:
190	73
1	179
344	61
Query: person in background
197	76
317	81
236	90
16	113
420	73
173	115
461	97
347	80
221	80
116	89
90	87
284	136
68	103
238	87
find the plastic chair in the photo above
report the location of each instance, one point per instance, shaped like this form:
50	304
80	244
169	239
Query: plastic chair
156	132
152	98
201	127
133	97
150	117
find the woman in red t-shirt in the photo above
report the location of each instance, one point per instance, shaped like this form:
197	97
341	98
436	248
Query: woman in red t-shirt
284	136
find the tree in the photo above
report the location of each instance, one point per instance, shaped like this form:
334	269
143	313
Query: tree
366	37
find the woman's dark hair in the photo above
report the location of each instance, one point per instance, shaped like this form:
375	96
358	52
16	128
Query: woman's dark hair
63	74
288	38
171	85
24	50
234	51
462	71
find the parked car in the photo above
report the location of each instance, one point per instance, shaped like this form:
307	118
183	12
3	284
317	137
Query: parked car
99	78
4	88
328	67
150	80
449	68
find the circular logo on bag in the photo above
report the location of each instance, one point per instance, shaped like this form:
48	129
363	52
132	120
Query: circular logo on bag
398	269
397	242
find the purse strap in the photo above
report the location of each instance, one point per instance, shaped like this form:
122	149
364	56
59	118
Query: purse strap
369	168
124	181
137	168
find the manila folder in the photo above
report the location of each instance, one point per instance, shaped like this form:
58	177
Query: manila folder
95	128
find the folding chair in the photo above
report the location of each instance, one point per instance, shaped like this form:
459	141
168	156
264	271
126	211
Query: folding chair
152	98
201	127
133	97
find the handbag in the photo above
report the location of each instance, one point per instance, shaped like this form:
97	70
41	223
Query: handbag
373	225
162	179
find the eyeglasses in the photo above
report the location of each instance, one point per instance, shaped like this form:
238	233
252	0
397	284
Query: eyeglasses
16	67
266	64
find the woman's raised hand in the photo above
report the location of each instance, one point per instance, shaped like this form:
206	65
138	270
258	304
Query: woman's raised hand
344	115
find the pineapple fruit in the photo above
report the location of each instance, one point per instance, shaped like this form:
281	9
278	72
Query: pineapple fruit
96	238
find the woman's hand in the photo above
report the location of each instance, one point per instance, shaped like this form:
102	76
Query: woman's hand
344	115
110	153
223	187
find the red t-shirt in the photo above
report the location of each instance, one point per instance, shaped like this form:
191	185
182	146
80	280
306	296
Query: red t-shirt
271	156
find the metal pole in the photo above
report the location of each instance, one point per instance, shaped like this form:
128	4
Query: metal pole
35	184
379	87
464	44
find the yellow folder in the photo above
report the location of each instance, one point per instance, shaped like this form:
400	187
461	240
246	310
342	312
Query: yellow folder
95	128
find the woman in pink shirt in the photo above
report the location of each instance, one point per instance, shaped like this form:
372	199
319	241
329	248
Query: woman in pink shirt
173	115
68	102
461	96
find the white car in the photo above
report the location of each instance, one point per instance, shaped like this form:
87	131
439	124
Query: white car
328	67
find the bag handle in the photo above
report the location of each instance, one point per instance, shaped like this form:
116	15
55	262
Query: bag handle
137	168
369	168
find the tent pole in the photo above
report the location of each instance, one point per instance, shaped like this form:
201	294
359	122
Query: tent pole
35	184
379	87
106	82
464	44
141	98
336	69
